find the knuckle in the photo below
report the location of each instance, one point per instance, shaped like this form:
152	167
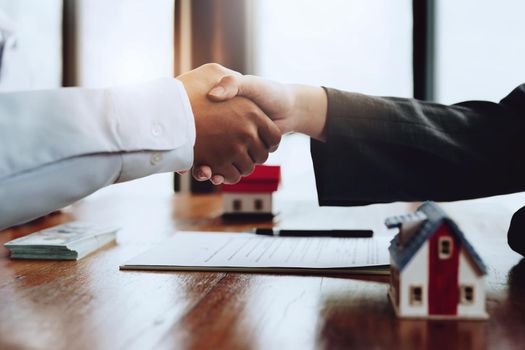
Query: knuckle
251	111
213	66
250	136
245	136
229	80
238	148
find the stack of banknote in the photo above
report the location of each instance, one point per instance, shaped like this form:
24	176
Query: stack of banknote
70	241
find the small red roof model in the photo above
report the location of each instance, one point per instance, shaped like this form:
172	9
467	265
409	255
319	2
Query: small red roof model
251	198
265	178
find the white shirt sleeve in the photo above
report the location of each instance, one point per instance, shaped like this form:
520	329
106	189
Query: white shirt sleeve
58	146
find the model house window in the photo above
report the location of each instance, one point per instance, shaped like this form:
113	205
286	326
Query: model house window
466	295
416	295
237	205
258	204
445	247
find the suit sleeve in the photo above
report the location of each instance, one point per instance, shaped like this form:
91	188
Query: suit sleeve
382	149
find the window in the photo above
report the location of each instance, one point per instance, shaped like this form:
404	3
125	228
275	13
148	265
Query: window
325	44
237	205
445	247
466	294
321	43
258	204
416	295
475	60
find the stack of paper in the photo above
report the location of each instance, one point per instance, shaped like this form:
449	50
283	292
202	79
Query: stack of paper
70	241
247	252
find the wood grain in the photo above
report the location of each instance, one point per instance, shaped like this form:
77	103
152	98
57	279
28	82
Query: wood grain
90	304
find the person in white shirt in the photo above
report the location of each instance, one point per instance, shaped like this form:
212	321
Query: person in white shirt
58	146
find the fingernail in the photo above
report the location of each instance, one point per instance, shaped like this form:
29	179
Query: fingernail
217	91
217	180
197	174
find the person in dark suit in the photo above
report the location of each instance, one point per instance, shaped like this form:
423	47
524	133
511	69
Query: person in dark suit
368	149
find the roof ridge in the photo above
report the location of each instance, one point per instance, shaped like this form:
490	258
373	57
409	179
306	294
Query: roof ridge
432	210
435	218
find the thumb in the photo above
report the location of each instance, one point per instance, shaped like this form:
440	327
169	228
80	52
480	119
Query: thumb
227	88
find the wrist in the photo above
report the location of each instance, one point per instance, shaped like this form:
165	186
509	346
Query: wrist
309	112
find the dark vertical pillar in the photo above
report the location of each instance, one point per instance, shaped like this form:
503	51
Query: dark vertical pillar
423	44
69	50
218	33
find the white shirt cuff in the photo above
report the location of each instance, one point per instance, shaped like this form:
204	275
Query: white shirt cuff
140	164
157	114
152	116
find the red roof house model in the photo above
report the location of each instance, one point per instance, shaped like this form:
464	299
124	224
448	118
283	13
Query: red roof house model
252	197
435	271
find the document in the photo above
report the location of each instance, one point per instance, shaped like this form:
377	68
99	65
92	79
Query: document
247	252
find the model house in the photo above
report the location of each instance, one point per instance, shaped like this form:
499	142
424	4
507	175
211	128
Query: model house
435	272
251	198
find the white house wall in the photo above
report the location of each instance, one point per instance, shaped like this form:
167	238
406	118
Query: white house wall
248	202
469	275
414	274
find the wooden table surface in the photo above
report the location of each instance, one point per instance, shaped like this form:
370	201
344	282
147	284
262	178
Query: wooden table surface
90	304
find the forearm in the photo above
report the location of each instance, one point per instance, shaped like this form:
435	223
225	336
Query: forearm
35	193
38	192
58	146
42	127
390	149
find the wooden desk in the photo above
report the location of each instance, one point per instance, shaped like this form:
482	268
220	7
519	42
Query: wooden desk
90	304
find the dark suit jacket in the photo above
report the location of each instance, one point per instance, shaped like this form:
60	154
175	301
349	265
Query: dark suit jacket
384	149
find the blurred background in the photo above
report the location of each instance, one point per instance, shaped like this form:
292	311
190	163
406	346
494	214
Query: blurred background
446	51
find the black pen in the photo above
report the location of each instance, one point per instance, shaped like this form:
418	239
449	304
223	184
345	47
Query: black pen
314	233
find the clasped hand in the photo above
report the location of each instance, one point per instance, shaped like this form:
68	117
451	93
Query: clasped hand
231	136
239	119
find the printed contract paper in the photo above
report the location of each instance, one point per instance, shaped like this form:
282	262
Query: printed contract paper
218	251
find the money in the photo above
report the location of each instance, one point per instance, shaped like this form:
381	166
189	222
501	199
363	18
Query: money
70	241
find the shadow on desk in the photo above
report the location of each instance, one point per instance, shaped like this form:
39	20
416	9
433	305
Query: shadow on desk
366	320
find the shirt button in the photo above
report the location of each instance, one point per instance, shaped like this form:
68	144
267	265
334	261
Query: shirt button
156	129
155	158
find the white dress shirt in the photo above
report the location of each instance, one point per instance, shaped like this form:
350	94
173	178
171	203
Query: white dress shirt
57	146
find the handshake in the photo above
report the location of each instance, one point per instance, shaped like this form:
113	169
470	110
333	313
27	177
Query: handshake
239	119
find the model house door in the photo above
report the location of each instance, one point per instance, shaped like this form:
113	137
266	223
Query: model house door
443	265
